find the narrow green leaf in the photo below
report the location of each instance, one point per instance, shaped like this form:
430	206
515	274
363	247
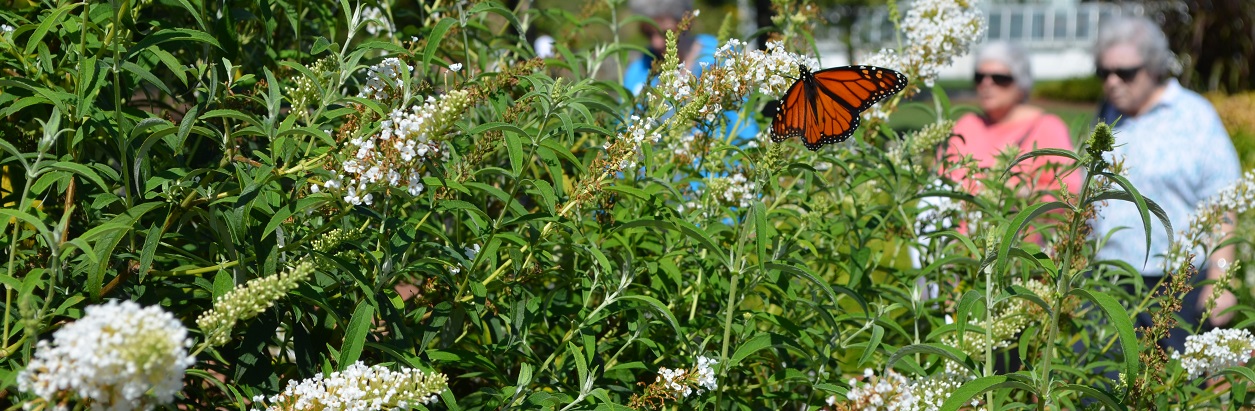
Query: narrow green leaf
45	24
699	235
752	345
658	306
355	335
967	303
1102	396
1119	318
964	394
878	332
434	39
151	239
628	190
940	350
514	147
1018	223
1042	152
1142	209
169	35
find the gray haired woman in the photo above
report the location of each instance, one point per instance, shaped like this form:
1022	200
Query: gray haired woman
1003	82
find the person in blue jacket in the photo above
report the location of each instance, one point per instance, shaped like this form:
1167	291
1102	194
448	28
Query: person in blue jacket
696	52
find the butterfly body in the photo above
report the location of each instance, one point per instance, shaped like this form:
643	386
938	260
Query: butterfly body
823	107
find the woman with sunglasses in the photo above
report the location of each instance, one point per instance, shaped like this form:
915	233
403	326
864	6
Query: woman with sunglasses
1176	152
1003	81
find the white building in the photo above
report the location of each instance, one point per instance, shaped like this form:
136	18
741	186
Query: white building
1059	35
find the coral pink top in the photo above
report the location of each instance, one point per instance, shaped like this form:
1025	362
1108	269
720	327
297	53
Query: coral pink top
983	142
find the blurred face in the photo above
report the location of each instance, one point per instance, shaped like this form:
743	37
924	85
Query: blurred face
1125	82
995	87
658	35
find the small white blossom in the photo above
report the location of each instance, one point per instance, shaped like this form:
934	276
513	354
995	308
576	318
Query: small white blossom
384	79
455	67
376	22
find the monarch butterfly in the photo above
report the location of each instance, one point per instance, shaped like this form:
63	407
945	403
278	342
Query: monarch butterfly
823	107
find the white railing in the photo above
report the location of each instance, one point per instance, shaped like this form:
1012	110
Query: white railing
1033	26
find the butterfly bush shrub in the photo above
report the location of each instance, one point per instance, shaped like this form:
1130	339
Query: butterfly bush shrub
334	205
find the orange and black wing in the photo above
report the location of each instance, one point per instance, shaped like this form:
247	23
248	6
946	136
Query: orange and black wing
793	111
823	107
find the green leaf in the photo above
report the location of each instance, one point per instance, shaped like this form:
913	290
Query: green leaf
145	75
658	306
1018	223
804	273
967	303
1119	318
1102	396
629	191
1151	205
878	332
943	351
299	206
549	199
964	394
434	39
45	24
355	335
514	147
169	35
699	235
151	240
1041	152
754	344
321	44
81	170
1142	209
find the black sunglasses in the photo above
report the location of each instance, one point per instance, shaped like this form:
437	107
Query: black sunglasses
1125	74
1002	80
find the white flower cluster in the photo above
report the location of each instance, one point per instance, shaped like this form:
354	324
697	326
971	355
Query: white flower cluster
739	70
360	388
6	29
1206	221
394	156
937	31
376	22
1215	350
735	190
383	80
119	356
682	381
771	71
248	300
894	392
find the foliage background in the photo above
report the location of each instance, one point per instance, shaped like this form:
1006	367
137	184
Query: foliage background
164	151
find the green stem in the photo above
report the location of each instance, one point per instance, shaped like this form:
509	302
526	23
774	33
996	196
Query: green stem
1061	284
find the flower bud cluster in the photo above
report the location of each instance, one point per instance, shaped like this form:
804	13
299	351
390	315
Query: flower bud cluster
119	356
248	300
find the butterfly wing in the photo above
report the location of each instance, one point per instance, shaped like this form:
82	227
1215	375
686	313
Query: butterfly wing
824	107
788	121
